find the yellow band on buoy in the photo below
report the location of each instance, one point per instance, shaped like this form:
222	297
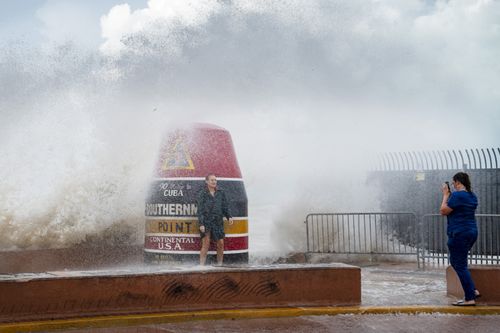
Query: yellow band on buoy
190	226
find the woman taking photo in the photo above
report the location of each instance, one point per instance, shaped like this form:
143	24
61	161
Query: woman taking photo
460	207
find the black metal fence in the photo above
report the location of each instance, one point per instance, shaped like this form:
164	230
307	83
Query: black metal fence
361	233
434	251
479	159
403	233
410	181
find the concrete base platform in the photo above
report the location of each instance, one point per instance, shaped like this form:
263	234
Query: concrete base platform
486	279
58	295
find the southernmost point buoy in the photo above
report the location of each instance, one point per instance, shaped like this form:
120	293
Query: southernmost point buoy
186	157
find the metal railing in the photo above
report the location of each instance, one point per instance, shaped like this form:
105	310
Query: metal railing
391	233
362	233
418	174
478	159
433	247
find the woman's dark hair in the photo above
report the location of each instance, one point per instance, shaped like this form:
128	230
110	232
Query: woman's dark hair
463	178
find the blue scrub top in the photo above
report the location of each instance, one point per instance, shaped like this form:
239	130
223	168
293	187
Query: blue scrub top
462	217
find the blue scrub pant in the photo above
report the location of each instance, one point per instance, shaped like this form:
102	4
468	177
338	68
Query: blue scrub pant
459	245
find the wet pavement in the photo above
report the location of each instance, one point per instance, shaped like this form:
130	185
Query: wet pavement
392	284
339	323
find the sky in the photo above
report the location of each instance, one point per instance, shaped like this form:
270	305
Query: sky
40	21
310	91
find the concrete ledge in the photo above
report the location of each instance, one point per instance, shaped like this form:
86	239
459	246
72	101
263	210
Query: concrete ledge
42	298
163	318
486	279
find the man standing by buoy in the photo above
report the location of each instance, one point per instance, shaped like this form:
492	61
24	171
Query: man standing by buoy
212	207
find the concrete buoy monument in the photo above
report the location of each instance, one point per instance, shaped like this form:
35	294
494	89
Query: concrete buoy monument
186	156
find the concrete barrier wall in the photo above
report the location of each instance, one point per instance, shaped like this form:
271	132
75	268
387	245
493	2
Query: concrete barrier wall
486	279
222	288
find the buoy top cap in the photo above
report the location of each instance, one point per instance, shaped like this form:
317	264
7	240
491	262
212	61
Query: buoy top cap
197	151
206	126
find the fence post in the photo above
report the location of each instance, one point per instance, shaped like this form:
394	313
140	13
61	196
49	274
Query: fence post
307	231
419	239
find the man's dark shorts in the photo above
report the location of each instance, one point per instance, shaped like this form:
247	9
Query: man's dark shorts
216	230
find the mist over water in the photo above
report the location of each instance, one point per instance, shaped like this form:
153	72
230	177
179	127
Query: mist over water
309	90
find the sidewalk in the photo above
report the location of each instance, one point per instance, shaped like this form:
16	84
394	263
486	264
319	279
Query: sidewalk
393	284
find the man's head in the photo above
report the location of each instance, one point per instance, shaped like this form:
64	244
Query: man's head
211	181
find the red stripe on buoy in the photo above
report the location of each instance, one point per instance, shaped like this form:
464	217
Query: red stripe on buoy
189	243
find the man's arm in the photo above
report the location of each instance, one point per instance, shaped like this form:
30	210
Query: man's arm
225	208
201	210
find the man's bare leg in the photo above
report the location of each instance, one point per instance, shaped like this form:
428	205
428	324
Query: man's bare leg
220	251
205	243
